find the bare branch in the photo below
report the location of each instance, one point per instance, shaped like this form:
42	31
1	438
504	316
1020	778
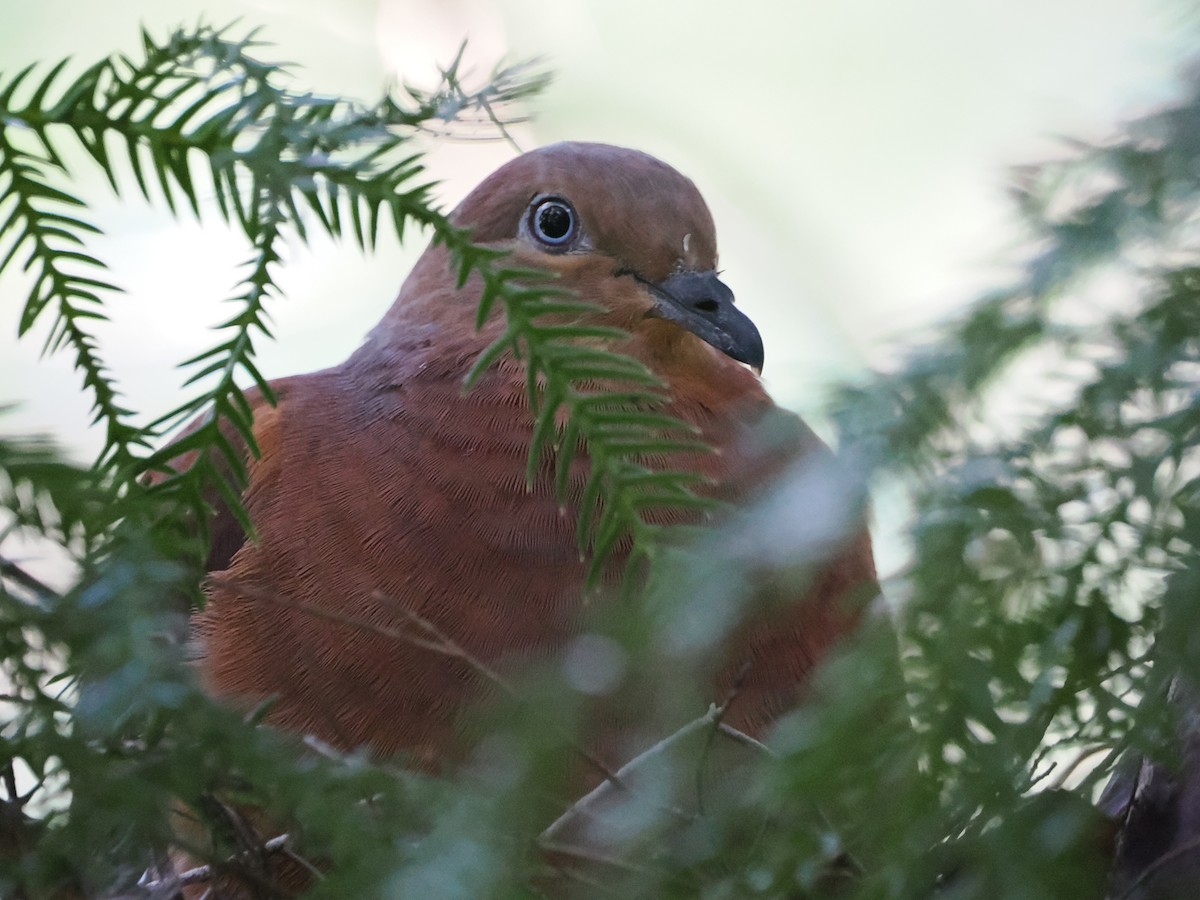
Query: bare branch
602	792
203	874
434	640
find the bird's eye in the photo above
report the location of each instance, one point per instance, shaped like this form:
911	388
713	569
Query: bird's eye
552	221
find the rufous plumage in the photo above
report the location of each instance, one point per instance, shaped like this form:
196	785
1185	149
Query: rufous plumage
380	476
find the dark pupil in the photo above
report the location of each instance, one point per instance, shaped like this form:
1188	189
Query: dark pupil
554	222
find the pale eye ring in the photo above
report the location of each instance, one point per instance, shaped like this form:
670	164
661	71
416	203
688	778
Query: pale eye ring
553	223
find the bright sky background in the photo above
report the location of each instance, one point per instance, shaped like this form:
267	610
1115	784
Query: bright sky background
854	155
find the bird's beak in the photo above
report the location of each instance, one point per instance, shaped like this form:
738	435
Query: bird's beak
703	304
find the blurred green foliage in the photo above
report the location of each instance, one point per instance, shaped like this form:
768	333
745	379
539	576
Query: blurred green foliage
953	749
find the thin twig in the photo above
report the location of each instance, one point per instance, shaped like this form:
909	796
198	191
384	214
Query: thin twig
437	646
453	649
251	861
1105	765
742	738
10	569
1079	759
500	125
444	644
712	734
583	854
436	641
601	792
310	867
440	644
202	874
547	839
10	785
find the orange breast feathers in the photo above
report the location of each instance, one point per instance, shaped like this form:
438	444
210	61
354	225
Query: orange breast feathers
380	477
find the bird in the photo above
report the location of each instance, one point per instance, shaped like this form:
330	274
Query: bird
381	477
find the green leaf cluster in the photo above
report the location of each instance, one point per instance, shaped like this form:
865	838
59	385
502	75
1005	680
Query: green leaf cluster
106	731
954	749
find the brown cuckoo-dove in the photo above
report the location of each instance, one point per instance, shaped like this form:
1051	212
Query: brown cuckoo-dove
382	477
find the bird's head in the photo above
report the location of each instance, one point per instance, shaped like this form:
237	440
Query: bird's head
623	230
